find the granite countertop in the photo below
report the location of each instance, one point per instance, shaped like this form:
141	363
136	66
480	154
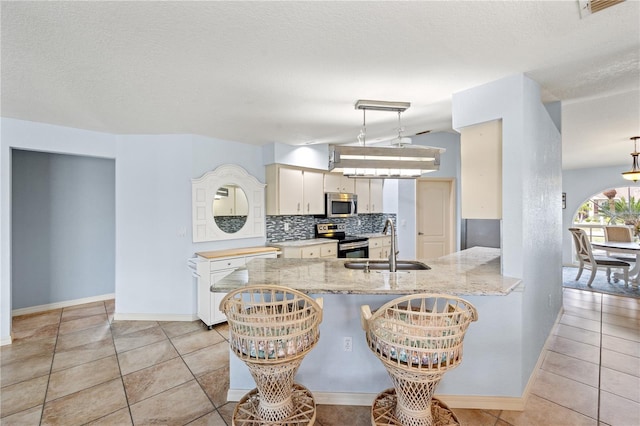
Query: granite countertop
475	271
373	235
303	243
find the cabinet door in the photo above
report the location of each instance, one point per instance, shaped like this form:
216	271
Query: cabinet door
362	191
375	195
290	191
375	253
310	252
313	192
337	182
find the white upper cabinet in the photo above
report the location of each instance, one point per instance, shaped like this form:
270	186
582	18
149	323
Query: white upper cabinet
337	182
481	170
369	193
293	191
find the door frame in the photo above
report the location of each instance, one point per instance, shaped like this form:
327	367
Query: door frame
452	231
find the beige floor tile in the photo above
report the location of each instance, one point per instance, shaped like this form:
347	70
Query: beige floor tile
26	369
23	418
146	356
156	379
22	396
84	306
578	334
197	340
110	306
621	362
84	311
539	411
212	419
615	410
226	411
25	349
82	337
208	358
138	339
223	329
628	347
121	328
121	417
578	322
187	401
82	354
569	303
566	393
334	415
216	385
622	332
78	324
572	368
582	312
475	417
50	330
36	320
71	380
575	349
85	406
621	384
178	328
621	318
623	302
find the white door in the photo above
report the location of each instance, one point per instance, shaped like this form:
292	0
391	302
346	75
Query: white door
434	222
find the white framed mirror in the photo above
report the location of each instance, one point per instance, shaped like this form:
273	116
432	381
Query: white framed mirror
227	203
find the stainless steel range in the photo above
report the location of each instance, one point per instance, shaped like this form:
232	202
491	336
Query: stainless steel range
348	245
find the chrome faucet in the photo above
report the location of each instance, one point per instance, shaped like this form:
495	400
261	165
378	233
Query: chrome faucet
393	264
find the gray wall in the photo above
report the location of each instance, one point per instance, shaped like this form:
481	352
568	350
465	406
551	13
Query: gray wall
63	227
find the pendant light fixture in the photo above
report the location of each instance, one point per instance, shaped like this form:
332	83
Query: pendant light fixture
634	173
396	161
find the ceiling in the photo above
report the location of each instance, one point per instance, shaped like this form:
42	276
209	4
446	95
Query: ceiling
290	72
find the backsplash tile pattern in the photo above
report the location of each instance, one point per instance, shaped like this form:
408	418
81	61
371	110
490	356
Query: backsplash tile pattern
303	227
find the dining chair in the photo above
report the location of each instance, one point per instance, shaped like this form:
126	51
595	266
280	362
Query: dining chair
619	234
587	260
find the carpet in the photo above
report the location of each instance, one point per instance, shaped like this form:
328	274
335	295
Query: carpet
599	285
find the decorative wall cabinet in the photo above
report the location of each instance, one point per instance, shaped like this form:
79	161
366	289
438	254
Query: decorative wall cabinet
229	188
481	171
294	191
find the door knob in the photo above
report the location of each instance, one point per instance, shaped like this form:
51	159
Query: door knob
420	233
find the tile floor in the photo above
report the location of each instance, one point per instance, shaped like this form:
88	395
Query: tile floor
76	366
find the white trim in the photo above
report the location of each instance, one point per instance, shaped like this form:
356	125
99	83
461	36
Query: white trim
366	399
6	341
65	304
154	317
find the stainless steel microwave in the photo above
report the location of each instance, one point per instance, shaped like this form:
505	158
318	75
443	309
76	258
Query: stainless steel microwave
341	204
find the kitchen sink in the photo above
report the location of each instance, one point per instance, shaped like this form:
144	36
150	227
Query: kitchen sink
376	265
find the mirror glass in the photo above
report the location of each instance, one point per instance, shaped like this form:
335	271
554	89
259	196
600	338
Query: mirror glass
230	208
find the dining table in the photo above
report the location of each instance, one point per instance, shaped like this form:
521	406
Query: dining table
624	247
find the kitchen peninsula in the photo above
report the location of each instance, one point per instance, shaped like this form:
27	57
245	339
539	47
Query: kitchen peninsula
490	374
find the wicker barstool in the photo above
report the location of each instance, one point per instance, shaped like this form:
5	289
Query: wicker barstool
418	338
271	329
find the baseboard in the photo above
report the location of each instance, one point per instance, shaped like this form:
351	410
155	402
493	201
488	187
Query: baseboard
5	341
154	317
366	399
58	305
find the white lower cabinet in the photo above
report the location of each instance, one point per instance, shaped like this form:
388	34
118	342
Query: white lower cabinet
310	251
210	270
379	247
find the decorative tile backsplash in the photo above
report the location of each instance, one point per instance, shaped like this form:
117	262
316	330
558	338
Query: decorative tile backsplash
303	227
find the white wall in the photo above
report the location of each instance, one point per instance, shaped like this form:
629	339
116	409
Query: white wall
153	210
36	137
531	194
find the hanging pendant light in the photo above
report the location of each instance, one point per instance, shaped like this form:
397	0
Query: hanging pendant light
396	161
634	173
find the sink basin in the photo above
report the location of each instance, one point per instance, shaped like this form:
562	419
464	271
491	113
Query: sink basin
376	265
